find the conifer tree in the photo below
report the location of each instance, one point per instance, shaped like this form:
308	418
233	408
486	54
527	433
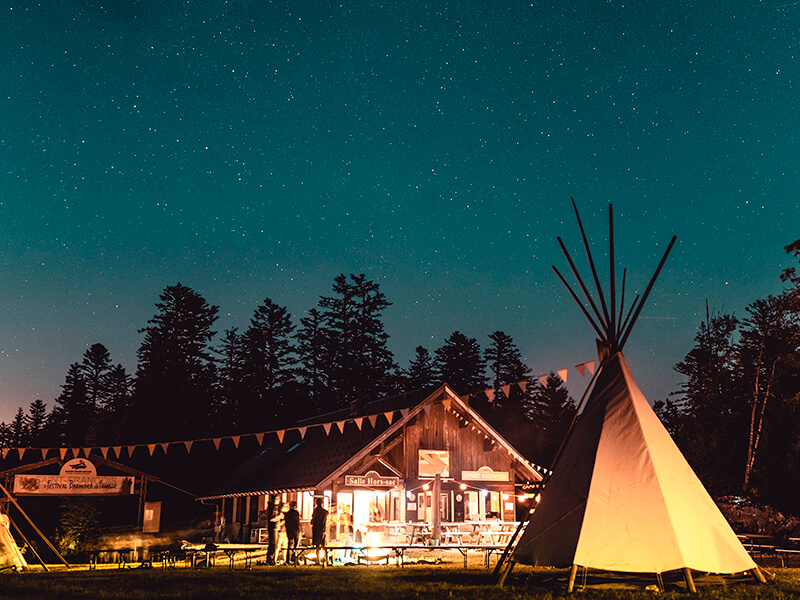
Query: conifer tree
459	363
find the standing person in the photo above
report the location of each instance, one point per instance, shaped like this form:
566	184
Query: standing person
291	521
319	521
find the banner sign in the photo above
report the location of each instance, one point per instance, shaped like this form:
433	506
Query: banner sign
72	485
484	474
78	477
371	479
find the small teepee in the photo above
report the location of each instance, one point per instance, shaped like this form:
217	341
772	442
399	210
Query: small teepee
622	497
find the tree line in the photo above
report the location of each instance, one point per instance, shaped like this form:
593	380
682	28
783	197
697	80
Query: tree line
193	382
736	415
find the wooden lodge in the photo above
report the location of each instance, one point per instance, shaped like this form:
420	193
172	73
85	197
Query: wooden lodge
396	460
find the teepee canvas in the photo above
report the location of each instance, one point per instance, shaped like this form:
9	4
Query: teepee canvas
622	496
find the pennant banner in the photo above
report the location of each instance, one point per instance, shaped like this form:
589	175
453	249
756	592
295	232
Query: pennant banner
506	390
130	450
340	425
389	416
44	453
164	446
358	422
543	380
152	448
372	420
280	433
581	369
563	374
302	431
236	439
104	451
327	428
489	395
5	452
217	442
188	446
21	452
260	438
590	366
117	450
523	385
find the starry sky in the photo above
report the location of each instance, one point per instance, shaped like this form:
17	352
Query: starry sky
253	149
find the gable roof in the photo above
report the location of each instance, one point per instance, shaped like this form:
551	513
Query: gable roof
346	439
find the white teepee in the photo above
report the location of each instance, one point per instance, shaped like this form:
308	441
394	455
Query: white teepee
622	496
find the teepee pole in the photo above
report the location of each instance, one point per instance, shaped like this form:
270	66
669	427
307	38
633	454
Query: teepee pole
580	304
647	292
687	575
29	545
759	575
573	572
606	320
612	326
583	285
32	524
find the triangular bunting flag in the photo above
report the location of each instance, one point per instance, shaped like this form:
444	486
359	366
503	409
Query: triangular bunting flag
543	380
340	425
44	453
152	448
590	366
61	451
216	442
523	385
445	403
131	450
280	433
427	408
236	439
164	446
404	413
327	428
5	452
358	422
21	452
581	369
259	438
76	452
490	395
302	431
372	420
87	452
563	374
117	450
390	415
506	390
188	445
104	451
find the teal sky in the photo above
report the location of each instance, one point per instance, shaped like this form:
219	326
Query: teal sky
257	149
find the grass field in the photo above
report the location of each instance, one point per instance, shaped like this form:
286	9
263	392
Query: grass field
449	580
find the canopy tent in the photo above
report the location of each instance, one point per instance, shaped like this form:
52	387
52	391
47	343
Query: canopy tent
621	496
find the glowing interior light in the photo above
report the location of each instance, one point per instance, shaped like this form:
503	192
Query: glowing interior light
485	493
426	487
463	486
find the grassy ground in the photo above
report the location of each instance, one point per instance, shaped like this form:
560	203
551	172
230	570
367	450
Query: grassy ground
448	580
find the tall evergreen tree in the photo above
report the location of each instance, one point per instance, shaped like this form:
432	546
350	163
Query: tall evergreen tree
312	345
421	371
230	371
550	409
460	364
176	372
36	422
73	414
714	414
358	364
19	429
269	365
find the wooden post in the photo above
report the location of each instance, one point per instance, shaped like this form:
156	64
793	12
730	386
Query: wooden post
687	575
32	524
572	574
436	524
505	572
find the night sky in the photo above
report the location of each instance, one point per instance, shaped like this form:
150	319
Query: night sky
253	149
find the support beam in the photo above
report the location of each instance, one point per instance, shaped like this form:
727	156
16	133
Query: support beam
759	575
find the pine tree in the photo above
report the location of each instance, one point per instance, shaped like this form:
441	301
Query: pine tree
312	343
72	416
230	371
175	378
36	421
421	372
357	362
269	365
459	363
550	409
19	430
